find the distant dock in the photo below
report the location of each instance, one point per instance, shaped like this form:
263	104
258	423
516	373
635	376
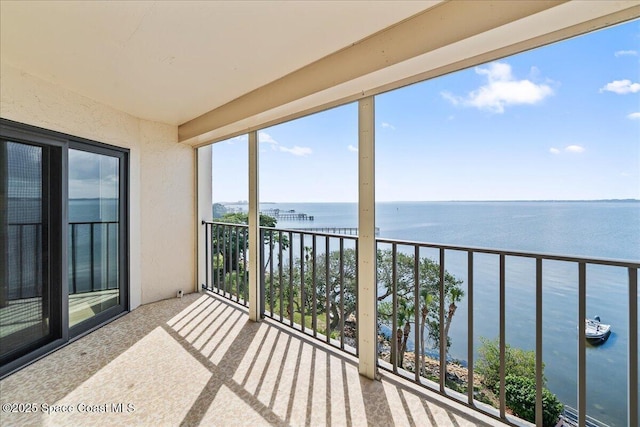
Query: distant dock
287	215
349	231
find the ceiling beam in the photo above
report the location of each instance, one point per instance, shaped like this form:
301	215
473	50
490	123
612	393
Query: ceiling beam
446	23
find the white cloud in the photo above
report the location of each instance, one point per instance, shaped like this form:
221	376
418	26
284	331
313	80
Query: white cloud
451	97
276	146
502	90
237	139
634	116
352	148
388	126
568	149
621	87
265	137
297	151
626	53
574	149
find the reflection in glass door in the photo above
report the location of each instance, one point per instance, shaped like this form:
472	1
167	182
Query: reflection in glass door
94	199
24	241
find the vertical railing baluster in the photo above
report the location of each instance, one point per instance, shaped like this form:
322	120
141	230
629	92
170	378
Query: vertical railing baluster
245	275
539	373
302	294
237	263
36	261
327	296
74	256
218	256
582	354
632	398
470	327
502	336
341	293
93	265
280	272
395	350
20	260
291	278
207	262
108	257
416	312
443	338
271	273
117	245
314	318
263	272
214	257
227	232
355	294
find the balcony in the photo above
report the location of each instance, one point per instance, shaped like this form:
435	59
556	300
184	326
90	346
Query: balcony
199	360
309	282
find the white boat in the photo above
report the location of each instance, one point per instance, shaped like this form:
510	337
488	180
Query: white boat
595	331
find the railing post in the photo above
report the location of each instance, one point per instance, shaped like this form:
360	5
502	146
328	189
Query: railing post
632	355
255	261
367	291
582	352
204	232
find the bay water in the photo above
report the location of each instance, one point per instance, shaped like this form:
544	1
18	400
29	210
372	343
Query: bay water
599	229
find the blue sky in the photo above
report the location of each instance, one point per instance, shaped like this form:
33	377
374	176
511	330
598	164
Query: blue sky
561	122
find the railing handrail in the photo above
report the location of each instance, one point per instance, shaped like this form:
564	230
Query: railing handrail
525	254
477	249
286	230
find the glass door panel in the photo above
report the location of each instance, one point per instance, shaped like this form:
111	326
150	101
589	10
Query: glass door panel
94	199
24	241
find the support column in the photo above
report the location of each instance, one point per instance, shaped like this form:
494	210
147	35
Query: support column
367	295
255	297
203	210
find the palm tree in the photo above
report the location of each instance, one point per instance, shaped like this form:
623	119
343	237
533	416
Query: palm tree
427	299
402	334
455	296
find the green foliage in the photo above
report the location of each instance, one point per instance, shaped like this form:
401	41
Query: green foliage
230	242
341	294
518	362
429	293
520	393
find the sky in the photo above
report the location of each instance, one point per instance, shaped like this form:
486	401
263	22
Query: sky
561	122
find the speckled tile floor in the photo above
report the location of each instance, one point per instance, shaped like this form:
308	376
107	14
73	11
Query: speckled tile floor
200	361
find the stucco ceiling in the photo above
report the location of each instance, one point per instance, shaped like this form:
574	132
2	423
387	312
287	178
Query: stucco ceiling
171	61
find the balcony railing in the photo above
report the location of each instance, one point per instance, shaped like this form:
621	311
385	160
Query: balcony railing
494	265
93	260
309	282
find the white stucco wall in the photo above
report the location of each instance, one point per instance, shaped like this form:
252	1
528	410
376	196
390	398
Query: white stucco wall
162	177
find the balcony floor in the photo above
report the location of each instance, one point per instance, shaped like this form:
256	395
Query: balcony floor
200	361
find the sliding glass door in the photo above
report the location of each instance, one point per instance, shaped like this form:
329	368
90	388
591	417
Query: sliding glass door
63	239
94	225
29	283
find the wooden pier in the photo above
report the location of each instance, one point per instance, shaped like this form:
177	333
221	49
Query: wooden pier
290	215
349	231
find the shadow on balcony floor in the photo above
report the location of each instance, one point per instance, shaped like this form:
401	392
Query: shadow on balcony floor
200	361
